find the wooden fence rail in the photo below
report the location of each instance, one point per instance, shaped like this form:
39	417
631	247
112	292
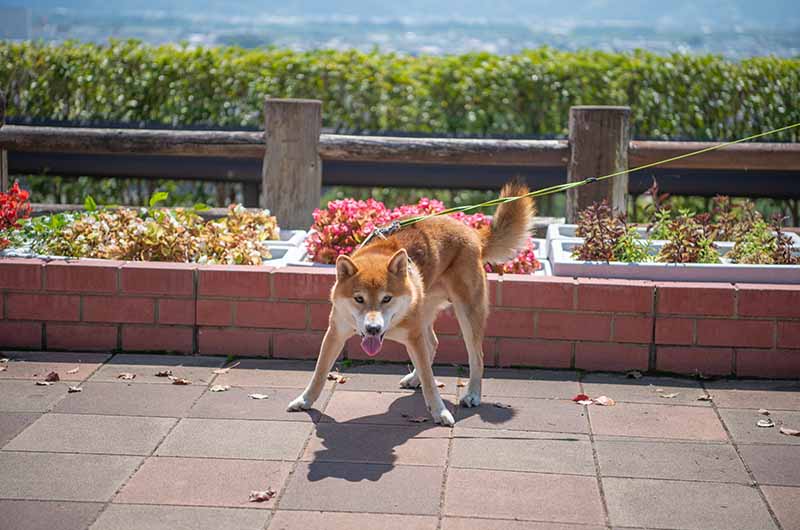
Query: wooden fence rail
598	142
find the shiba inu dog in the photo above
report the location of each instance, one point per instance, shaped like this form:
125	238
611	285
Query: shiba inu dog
395	287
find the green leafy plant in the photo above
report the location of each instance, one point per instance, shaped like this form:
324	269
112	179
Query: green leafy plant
689	240
764	244
601	230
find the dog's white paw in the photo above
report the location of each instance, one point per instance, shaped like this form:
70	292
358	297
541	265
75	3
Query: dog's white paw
410	381
299	403
443	417
471	399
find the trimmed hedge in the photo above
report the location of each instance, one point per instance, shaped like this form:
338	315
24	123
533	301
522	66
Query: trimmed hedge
676	96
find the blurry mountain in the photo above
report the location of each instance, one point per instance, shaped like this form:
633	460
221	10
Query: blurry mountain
735	28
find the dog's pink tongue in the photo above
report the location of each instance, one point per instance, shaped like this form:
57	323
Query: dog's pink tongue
371	345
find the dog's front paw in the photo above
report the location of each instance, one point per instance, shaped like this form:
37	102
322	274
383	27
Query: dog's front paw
410	381
300	403
444	418
471	399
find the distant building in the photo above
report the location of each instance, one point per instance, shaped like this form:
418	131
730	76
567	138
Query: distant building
15	22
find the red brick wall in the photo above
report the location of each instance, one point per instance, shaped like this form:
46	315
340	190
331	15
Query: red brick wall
87	305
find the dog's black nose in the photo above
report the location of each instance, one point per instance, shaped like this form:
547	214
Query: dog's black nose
373	329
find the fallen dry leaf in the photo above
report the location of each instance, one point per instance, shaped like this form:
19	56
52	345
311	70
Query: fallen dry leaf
634	374
440	384
258	396
669	396
43	383
52	376
2	368
226	370
164	373
4	360
502	405
261	496
180	381
763	412
705	397
126	376
581	397
461	384
766	423
415	419
73	389
339	378
789	432
604	401
658	389
74	370
220	388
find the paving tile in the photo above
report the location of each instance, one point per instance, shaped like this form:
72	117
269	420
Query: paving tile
131	399
203	482
25	396
743	428
13	423
36	365
63	477
530	383
749	394
784	503
372	488
644	390
143	517
657	421
36	515
419	444
85	433
259	440
670	460
523	496
544	415
685	505
460	523
235	404
522	451
268	373
386	378
773	464
384	408
198	370
300	520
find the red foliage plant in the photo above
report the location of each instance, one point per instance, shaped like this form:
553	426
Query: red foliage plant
14	206
344	224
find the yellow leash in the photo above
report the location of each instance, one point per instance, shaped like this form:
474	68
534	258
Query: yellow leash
569	185
397	225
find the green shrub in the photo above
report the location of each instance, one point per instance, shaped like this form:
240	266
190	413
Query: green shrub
676	96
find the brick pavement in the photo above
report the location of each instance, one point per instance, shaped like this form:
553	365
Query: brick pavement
144	454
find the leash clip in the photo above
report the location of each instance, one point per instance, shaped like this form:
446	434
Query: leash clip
589	180
382	232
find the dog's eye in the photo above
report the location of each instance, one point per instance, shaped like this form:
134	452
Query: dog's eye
359	299
386	299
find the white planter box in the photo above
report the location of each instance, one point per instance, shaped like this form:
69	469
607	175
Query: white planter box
288	238
565	232
540	249
564	265
284	255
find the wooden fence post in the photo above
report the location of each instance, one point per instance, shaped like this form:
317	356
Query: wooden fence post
4	182
598	140
291	176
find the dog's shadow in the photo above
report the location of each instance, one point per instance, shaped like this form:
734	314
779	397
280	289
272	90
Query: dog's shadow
364	448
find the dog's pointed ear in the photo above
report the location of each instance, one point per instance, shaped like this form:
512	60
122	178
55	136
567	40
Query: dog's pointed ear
398	264
345	267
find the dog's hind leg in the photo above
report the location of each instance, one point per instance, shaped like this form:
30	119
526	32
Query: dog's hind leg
332	345
471	312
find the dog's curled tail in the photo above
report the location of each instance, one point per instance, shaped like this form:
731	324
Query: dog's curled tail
511	226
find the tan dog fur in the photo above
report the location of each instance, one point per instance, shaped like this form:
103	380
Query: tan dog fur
422	268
